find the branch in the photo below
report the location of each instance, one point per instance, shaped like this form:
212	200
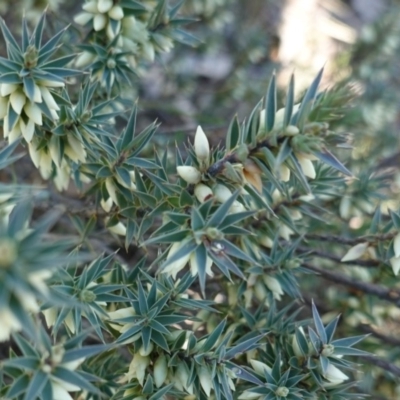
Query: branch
325	255
381	292
351	241
382	363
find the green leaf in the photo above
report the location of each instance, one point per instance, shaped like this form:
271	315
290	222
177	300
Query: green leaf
319	325
176	236
36	385
129	132
289	103
348	342
270	104
74	378
212	340
308	100
243	347
220	214
331	328
233	134
84	352
328	158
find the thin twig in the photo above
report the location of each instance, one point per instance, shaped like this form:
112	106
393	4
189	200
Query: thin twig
329	256
351	241
381	292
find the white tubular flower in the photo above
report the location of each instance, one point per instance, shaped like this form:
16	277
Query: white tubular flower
194	268
205	380
306	165
295	344
274	286
355	252
106	205
396	245
75	150
221	193
111	190
203	192
237	207
3	107
284	173
104	6
201	145
160	370
285	232
266	241
46	164
99	22
48	98
395	263
17	101
116	13
8	88
9	324
260	367
173	268
148	51
33	112
61	179
335	375
34	154
118	229
137	368
84	59
189	174
249	396
27	130
49	83
101	12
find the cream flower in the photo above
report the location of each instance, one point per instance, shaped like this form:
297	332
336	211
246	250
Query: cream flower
355	252
334	375
201	145
9	324
102	12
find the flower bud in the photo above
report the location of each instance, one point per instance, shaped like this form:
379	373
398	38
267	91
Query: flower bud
355	252
104	6
395	263
106	204
201	145
221	193
99	22
291	130
335	375
118	229
260	367
284	173
396	245
160	370
116	13
189	174
202	192
274	286
306	165
145	352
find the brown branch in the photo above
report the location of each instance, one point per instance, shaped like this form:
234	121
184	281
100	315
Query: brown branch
351	241
325	255
391	295
382	363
